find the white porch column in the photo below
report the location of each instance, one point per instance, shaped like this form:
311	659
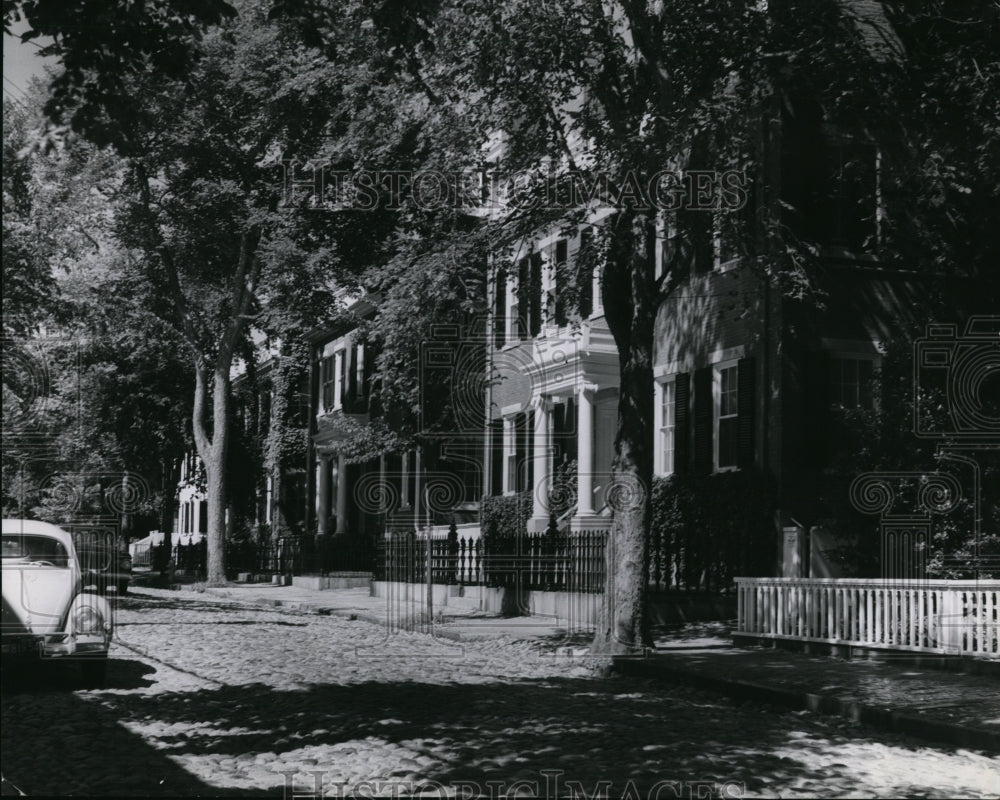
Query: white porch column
585	450
341	494
322	494
509	452
540	459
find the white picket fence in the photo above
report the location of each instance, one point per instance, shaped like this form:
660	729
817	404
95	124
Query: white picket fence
937	616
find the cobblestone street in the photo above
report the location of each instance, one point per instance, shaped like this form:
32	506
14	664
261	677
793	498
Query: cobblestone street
207	696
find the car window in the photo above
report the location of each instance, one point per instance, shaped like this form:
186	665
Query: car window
32	547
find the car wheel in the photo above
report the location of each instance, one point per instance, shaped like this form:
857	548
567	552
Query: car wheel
94	672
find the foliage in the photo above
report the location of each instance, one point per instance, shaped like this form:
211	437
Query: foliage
882	440
506	516
707	530
101	44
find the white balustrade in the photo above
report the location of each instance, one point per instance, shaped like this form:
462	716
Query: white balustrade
936	616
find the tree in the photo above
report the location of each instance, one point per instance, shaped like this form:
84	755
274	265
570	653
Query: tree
112	403
620	91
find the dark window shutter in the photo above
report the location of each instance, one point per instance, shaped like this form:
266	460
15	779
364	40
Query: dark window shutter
703	421
202	517
520	450
745	385
535	295
369	369
496	456
571	447
560	281
350	364
500	309
523	301
816	395
682	423
585	275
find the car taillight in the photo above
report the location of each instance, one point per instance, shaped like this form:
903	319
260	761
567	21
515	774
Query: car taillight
88	619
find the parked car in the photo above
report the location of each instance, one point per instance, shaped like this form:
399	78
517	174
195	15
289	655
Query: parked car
124	574
48	612
105	565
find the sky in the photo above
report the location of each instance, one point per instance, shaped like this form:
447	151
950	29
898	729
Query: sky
21	62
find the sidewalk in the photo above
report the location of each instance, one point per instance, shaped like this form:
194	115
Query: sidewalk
462	623
944	706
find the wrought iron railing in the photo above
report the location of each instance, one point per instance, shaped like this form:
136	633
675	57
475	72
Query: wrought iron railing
542	561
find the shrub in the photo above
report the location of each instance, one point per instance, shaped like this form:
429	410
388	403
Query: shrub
707	530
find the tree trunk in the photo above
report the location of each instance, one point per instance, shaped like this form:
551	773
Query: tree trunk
216	478
213	455
630	302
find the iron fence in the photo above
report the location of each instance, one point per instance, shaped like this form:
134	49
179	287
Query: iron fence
570	562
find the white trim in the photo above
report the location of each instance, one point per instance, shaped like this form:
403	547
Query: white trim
692	364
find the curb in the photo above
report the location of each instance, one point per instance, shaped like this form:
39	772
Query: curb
878	717
298	606
440	631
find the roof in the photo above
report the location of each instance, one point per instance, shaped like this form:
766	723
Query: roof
36	528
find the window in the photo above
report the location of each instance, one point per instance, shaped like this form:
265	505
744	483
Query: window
326	382
668	421
359	371
510	455
339	378
851	382
726	392
32	547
